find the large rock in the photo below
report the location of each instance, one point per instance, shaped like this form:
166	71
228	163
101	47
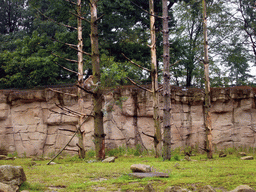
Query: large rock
140	168
247	158
109	160
8	188
12	175
150	174
243	188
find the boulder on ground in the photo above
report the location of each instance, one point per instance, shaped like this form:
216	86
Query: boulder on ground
109	160
8	188
243	188
140	168
247	158
13	176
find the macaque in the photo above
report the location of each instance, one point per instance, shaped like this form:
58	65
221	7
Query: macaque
88	83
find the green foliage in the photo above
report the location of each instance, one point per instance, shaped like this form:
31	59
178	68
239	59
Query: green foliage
29	65
90	153
32	187
176	157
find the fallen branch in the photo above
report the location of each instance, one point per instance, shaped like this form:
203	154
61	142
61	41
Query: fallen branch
78	128
71	111
53	90
62	113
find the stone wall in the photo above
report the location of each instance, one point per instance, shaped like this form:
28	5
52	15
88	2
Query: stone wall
31	123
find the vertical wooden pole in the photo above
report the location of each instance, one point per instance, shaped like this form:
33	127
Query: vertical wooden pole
166	86
207	99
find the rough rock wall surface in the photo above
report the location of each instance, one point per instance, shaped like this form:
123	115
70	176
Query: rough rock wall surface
32	122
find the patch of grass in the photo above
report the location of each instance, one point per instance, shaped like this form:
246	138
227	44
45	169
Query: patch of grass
75	174
32	187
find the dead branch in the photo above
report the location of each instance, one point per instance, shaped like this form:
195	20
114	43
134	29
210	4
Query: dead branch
78	128
148	135
145	89
252	129
55	21
99	18
62	113
136	64
87	91
80	17
61	129
74	61
67	69
146	11
72	95
72	46
71	2
71	111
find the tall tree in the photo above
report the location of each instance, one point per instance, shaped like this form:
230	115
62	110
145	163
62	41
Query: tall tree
99	136
247	9
188	35
207	98
166	86
80	76
154	76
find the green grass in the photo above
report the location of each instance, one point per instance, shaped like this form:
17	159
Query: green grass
74	174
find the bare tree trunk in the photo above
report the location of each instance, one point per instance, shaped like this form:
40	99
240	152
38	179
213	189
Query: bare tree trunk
99	136
154	75
166	86
80	79
207	99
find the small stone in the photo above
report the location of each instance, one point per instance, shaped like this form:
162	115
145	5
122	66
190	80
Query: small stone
53	163
140	168
109	160
175	189
187	158
247	158
222	154
243	188
206	188
149	188
242	154
3	157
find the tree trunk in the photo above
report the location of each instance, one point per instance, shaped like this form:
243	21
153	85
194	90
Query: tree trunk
99	136
207	99
166	86
80	79
154	75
